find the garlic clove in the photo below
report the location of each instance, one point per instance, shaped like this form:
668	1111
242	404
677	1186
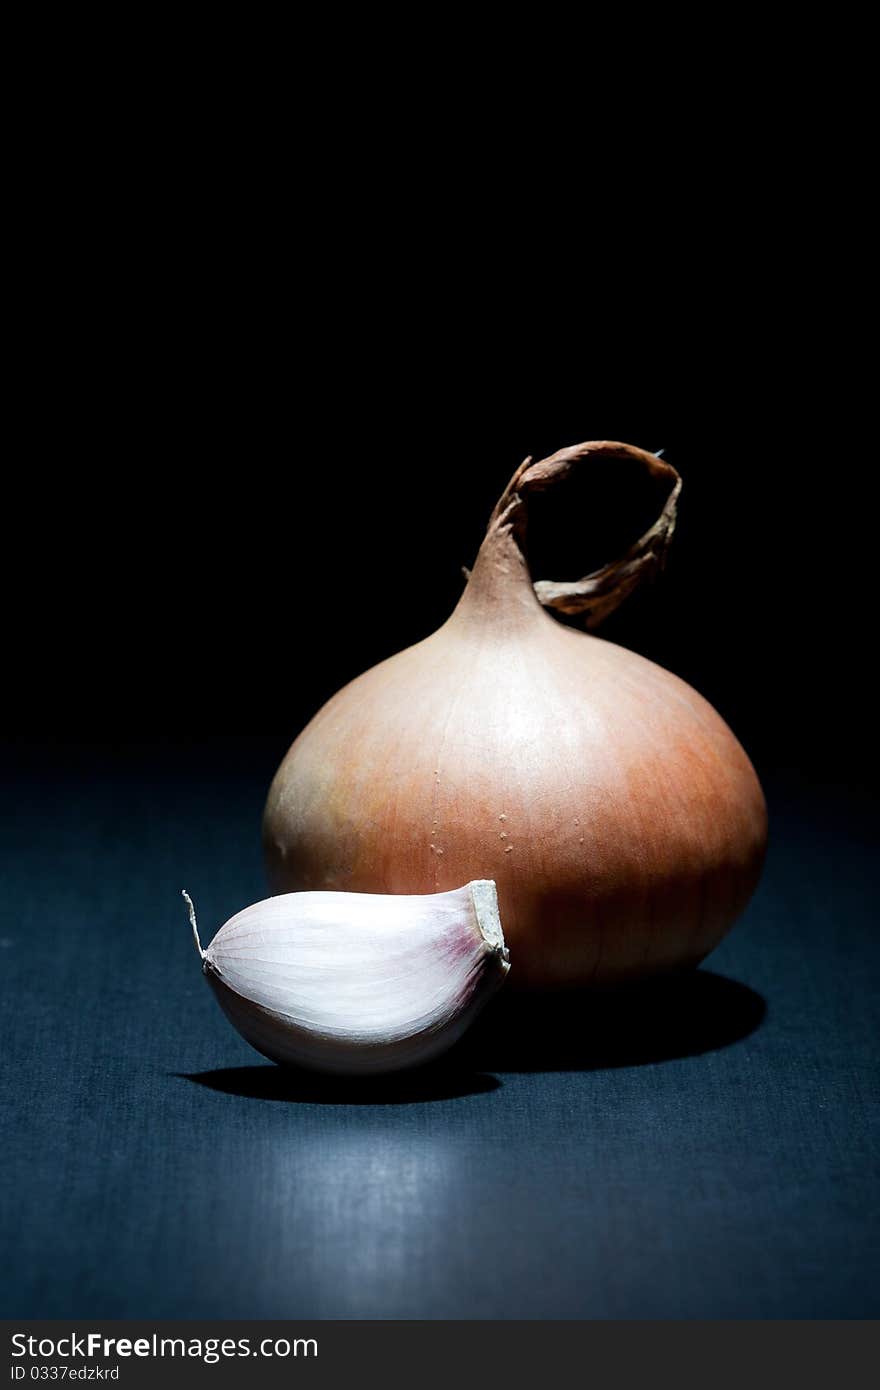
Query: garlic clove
357	983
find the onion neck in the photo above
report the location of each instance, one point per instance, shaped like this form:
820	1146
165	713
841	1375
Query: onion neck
501	589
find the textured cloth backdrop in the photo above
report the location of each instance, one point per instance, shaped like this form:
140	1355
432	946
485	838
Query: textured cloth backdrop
706	1149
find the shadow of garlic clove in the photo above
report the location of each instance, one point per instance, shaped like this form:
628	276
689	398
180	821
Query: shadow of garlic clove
357	983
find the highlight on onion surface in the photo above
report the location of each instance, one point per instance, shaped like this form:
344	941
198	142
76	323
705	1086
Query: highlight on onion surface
621	820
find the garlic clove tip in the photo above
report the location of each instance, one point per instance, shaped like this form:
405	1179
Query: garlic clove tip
192	921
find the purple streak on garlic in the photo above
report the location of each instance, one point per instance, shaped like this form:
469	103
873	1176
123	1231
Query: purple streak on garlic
357	983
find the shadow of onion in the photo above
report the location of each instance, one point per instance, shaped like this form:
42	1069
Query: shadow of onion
657	1021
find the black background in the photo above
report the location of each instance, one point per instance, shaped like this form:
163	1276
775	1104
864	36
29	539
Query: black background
226	518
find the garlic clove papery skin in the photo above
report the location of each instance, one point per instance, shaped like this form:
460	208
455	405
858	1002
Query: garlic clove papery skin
358	983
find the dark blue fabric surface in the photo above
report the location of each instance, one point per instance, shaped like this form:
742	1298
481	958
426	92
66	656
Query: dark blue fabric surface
707	1149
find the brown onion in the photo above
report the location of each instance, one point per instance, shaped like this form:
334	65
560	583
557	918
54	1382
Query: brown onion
621	820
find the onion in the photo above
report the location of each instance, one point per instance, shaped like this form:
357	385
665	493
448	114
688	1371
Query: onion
620	818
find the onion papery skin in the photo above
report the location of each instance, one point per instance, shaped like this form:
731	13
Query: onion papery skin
621	820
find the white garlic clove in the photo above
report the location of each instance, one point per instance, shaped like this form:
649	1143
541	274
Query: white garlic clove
357	983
